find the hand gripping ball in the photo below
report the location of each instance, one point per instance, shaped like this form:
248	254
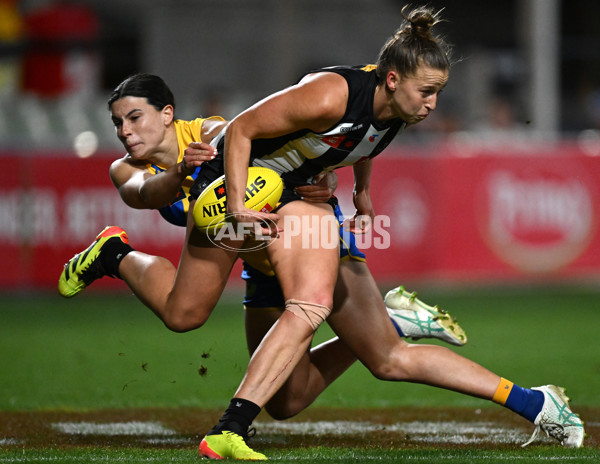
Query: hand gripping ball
263	192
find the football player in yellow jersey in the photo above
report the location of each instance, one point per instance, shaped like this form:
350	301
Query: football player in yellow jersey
143	163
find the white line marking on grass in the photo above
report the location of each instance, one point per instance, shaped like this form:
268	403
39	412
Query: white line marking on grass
419	431
460	432
317	428
113	428
8	441
168	441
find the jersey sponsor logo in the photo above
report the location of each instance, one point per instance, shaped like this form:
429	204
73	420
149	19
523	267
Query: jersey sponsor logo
334	140
350	128
373	137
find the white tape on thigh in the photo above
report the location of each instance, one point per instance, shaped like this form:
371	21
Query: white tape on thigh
312	313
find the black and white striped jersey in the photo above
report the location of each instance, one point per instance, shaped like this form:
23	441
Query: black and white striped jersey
299	156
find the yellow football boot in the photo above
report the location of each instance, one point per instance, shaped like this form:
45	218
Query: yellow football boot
85	267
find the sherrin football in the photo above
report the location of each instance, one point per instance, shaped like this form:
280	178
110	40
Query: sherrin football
263	192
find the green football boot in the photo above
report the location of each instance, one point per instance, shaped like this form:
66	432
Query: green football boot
415	319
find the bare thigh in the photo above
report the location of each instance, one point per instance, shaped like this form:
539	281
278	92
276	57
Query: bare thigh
304	263
203	271
359	317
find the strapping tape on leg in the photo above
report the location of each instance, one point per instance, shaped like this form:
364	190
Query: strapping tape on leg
312	313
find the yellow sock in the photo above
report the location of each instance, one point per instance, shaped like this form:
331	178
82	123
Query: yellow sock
502	392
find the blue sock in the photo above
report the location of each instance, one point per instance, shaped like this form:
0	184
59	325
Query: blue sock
525	402
397	327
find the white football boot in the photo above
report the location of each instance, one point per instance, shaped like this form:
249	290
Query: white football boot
417	320
557	420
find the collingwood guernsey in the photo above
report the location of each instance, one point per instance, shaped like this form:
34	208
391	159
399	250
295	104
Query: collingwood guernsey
299	156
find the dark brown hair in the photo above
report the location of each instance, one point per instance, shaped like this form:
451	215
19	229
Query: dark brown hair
148	86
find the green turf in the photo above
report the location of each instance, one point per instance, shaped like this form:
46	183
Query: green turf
95	352
315	455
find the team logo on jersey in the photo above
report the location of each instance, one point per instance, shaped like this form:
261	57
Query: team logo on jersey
373	137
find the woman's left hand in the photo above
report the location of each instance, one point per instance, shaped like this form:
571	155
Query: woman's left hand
321	189
362	220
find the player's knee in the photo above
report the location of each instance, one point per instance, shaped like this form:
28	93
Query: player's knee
178	325
311	313
280	412
323	299
184	320
389	364
283	407
385	371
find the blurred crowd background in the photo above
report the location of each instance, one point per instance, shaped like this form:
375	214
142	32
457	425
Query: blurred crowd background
526	68
501	183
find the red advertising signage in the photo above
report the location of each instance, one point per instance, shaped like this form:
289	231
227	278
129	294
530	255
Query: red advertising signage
487	217
52	207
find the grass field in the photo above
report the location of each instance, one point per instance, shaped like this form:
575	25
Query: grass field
99	379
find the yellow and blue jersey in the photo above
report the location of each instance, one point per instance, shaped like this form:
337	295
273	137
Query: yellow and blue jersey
187	131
